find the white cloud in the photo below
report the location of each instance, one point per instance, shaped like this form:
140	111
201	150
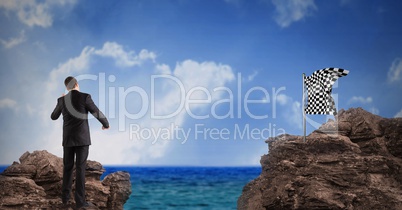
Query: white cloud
363	100
374	110
136	151
12	42
119	142
191	75
205	74
72	66
125	151
283	99
399	114
252	76
21	108
124	58
292	112
8	103
82	62
360	99
395	71
163	69
289	11
32	12
79	65
295	116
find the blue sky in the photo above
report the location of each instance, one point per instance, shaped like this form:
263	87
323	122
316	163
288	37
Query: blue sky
146	63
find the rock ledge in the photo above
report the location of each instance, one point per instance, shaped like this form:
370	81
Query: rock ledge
35	183
353	164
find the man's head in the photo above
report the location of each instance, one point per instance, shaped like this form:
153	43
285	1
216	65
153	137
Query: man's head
71	83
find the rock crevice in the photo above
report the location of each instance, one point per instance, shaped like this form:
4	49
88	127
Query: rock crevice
35	183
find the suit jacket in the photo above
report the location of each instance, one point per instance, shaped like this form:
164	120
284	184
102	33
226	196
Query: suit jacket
75	107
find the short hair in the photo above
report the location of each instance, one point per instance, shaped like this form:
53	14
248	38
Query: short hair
70	82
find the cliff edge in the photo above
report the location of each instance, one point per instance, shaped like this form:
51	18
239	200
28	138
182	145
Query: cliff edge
353	164
35	183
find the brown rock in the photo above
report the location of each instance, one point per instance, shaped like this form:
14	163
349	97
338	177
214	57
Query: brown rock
353	164
20	192
119	190
361	124
94	170
35	183
16	169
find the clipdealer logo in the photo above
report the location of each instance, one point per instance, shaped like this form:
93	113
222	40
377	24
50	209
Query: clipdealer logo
202	132
186	98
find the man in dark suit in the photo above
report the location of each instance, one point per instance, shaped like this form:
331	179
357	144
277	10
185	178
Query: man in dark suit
76	138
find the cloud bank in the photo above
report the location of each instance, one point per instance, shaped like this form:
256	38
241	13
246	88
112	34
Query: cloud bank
34	13
395	71
191	74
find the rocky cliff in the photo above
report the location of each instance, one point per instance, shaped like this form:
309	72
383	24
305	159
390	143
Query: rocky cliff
35	183
353	164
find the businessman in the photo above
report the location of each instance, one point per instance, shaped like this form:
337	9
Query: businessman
76	138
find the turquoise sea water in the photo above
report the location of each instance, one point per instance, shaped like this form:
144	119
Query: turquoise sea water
185	187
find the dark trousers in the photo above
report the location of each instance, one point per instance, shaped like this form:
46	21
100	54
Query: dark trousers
81	154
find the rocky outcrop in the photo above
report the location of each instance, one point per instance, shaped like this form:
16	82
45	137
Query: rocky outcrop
353	163
35	183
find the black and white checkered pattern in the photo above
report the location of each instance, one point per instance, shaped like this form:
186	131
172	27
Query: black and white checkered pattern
319	87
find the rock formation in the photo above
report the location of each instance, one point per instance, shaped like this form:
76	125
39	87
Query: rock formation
353	164
35	183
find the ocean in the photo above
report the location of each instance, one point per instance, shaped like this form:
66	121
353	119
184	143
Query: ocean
185	187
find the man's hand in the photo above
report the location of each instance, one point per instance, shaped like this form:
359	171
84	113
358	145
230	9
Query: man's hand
103	128
62	95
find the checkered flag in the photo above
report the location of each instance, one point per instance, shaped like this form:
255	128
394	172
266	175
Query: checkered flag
319	88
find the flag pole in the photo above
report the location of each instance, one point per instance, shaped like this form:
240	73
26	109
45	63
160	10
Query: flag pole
303	110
